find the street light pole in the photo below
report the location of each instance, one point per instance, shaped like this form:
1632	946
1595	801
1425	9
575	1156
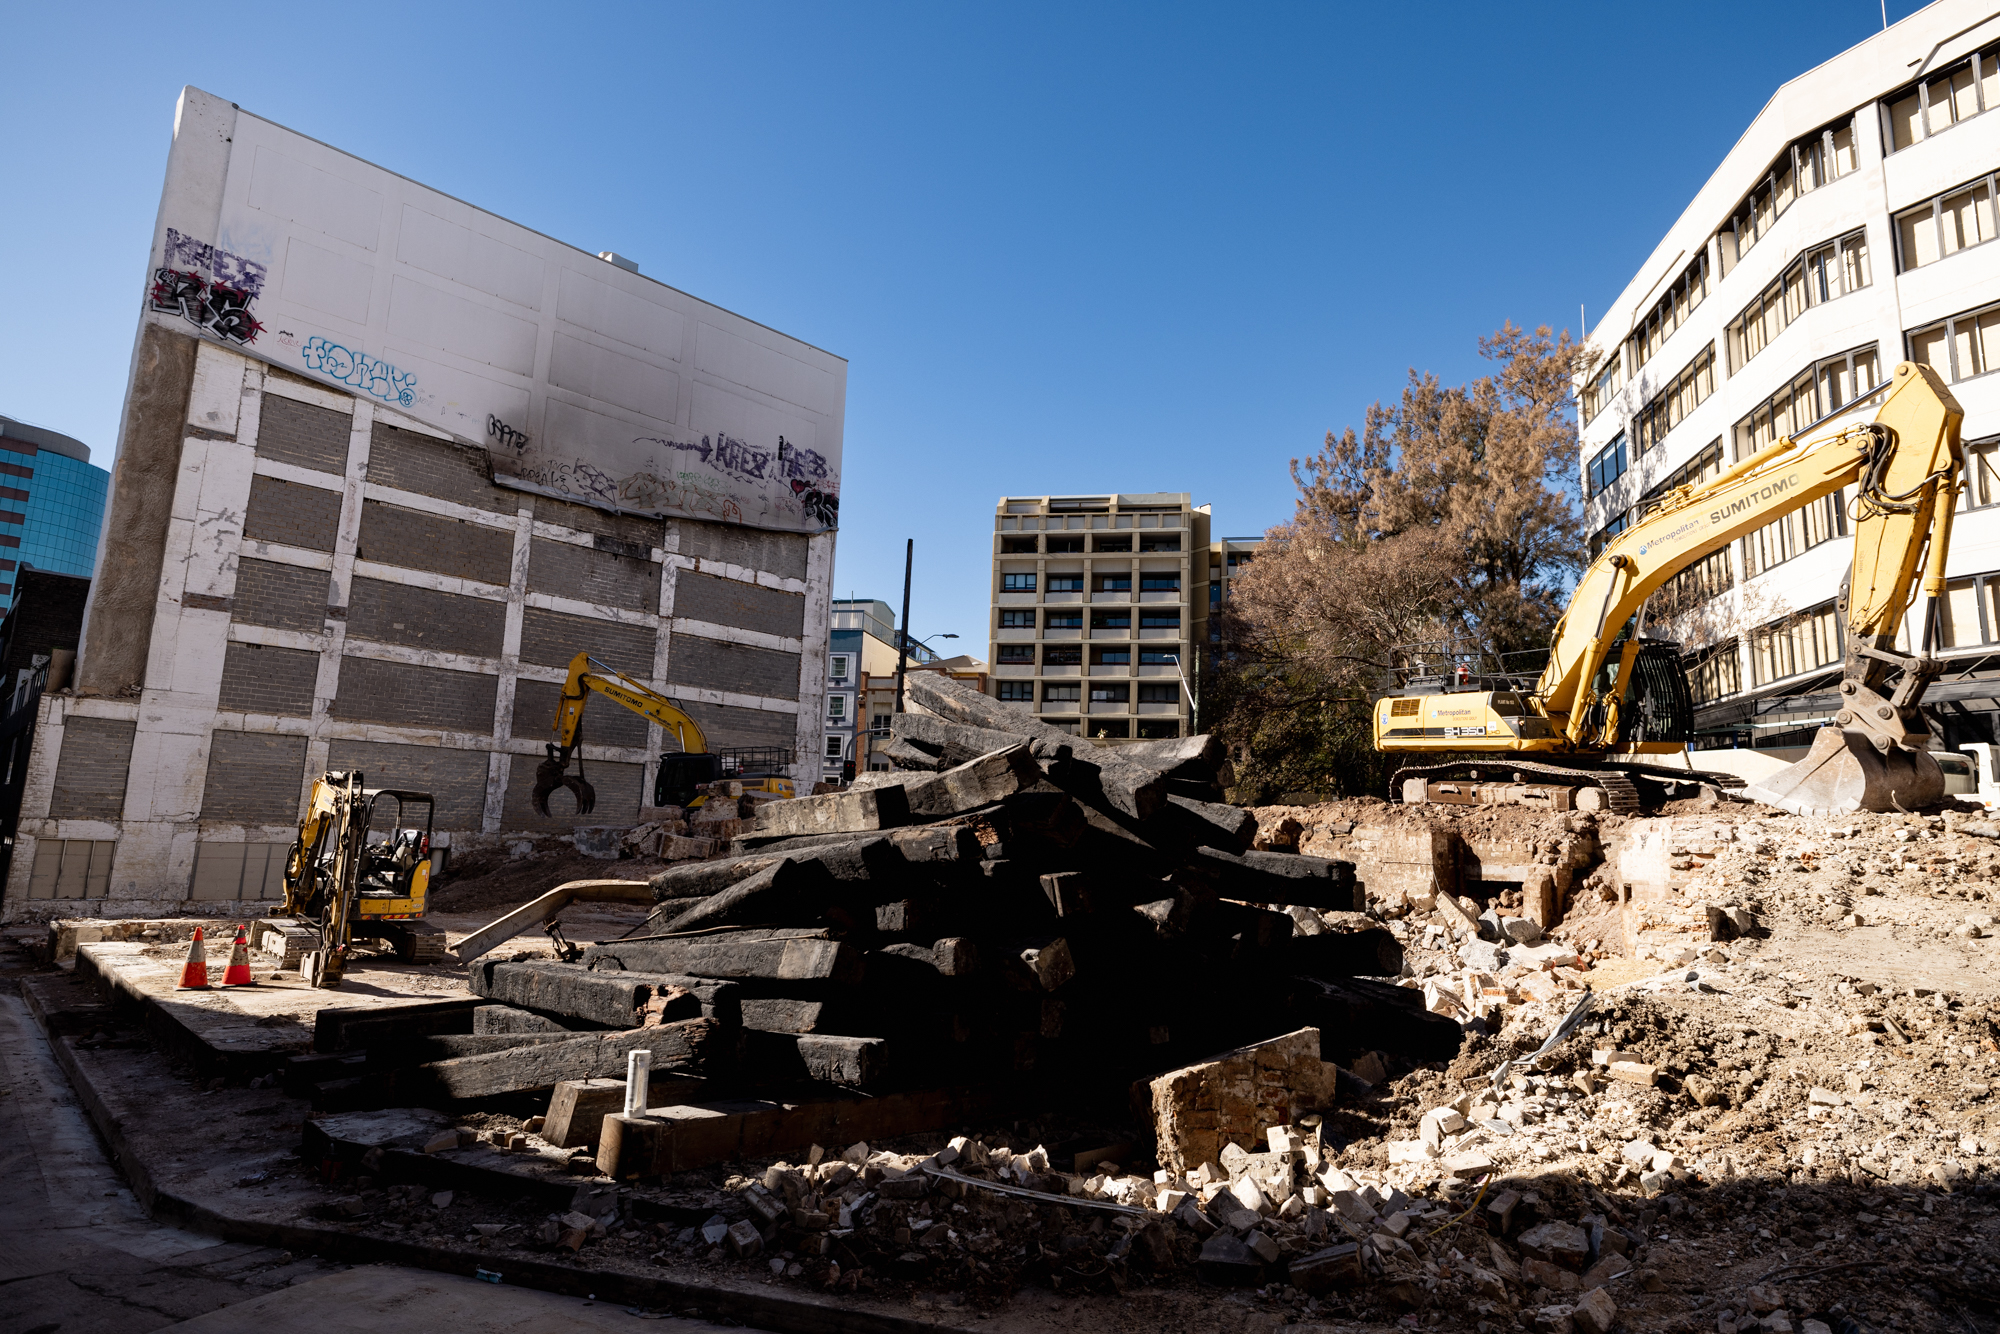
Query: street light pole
903	630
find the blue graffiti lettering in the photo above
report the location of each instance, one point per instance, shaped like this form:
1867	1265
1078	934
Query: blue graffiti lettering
368	374
796	462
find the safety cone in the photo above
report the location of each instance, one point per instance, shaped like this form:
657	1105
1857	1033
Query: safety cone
238	972
194	977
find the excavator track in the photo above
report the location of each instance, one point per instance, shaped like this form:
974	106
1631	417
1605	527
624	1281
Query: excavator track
1621	792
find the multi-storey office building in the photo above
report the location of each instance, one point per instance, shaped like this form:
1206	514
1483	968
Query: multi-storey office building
1846	231
1227	557
1096	600
51	504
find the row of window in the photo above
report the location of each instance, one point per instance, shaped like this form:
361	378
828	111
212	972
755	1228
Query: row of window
1939	228
1071	655
1058	692
1688	390
1103	583
1113	618
1958	92
1603	386
1818	391
1669	313
1072	545
1824	273
1819	158
1607	465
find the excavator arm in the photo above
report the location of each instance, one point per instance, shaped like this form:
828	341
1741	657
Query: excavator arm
586	674
1907	464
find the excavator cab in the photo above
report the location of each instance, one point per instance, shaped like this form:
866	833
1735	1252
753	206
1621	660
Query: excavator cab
681	775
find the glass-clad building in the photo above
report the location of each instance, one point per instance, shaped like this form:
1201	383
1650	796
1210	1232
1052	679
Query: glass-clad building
51	504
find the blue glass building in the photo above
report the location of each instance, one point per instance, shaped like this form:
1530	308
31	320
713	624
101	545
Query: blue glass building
51	504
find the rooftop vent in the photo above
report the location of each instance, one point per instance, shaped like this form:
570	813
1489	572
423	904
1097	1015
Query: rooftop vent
613	257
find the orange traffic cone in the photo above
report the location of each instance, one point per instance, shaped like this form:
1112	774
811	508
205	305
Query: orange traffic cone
194	977
238	972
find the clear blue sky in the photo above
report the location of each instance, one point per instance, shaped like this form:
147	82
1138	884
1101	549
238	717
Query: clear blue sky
1065	248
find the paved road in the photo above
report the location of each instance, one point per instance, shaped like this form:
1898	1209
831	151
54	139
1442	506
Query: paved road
78	1255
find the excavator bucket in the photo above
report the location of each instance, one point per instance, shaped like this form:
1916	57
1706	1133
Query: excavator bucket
550	775
1845	772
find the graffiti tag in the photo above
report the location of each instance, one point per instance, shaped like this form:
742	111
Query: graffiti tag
796	462
724	453
368	374
223	311
505	434
229	270
823	507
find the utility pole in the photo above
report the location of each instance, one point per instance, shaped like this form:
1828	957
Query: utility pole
903	630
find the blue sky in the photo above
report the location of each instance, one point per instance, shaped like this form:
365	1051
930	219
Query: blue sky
1065	248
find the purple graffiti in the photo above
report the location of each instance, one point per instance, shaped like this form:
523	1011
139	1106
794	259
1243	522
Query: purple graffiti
796	462
725	454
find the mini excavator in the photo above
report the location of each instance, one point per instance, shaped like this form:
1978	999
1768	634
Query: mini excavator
682	773
1609	697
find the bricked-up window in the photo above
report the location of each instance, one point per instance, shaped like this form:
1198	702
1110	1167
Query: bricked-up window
1939	228
1669	313
1962	346
1017	620
1017	583
1824	273
1795	645
1818	159
1017	692
1715	672
1818	391
1935	104
1062	655
1607	465
1603	386
1159	692
1688	390
1017	653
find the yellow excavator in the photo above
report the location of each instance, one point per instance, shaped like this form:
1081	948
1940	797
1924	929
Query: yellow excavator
1609	696
360	867
681	773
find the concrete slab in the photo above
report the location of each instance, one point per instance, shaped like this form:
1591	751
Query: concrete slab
383	1299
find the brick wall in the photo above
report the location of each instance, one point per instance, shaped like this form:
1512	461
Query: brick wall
301	433
704	597
90	775
406	695
411	462
782	554
423	618
286	597
295	515
695	661
262	678
417	541
254	778
726	726
617	796
629	528
552	638
605	723
601	577
455	778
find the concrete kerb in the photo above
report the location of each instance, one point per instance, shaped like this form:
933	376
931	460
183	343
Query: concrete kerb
181	1207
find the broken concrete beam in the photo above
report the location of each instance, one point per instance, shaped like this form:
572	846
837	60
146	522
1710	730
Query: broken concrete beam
955	743
689	1048
1188	756
631	1146
976	783
395	1053
779	953
785	891
835	813
342	1029
1235	1096
577	1108
698	880
1188	823
1359	1013
1068	892
537	911
908	919
908	757
782	1014
824	1058
620	999
1338	953
1281	877
507	1019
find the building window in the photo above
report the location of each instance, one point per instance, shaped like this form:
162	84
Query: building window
1159	583
836	709
1064	620
1958	93
1062	655
1065	545
837	668
1017	546
1121	542
1956	220
1960	347
1055	693
1669	312
1109	694
1707	578
1157	729
1159	693
1818	391
1969	614
1684	393
1111	657
1112	729
1017	692
1715	673
1982	475
1237	558
1607	465
1065	583
1798	644
1111	620
1017	653
1160	657
1818	159
1694	472
1114	583
1824	273
1017	583
1161	542
1160	620
836	747
1602	536
1017	620
1795	534
1603	387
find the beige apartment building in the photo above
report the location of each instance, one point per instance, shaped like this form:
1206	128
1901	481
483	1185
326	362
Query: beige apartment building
1097	604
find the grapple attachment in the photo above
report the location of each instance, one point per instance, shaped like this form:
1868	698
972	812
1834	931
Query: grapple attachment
1846	771
552	774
